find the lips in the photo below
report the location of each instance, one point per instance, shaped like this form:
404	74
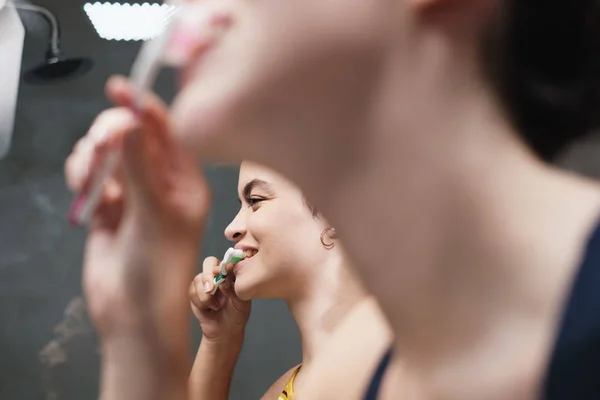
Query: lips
248	254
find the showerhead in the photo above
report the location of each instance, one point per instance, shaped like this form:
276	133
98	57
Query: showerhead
55	68
58	70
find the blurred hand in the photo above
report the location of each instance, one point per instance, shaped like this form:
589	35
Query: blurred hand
142	245
223	315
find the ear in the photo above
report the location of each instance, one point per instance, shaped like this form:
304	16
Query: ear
424	4
458	13
465	5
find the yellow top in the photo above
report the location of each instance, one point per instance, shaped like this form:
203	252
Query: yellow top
288	391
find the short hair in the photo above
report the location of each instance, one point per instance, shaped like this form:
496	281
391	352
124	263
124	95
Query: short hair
543	58
313	210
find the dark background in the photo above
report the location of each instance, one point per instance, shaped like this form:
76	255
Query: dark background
47	347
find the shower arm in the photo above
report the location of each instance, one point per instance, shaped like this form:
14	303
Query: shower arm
54	48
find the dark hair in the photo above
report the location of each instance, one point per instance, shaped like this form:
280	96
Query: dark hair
545	63
311	207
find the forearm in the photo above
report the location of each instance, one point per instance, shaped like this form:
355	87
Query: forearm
213	369
146	354
137	369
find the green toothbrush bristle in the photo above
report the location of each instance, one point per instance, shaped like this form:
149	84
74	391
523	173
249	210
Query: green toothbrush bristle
235	260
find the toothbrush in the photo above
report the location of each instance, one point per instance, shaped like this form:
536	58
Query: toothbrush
143	74
232	256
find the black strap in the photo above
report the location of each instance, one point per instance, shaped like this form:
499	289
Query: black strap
373	390
574	371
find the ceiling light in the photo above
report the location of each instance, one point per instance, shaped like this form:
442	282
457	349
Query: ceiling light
130	22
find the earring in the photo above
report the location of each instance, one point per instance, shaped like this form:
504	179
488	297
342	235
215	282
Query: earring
330	233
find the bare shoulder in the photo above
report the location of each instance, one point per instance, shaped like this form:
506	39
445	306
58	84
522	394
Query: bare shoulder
275	390
345	368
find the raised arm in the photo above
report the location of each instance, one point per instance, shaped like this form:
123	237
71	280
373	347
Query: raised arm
222	318
142	248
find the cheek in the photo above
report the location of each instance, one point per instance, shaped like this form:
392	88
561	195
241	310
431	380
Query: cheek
289	234
276	230
265	226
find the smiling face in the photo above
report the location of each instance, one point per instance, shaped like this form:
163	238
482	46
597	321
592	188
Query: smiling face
275	224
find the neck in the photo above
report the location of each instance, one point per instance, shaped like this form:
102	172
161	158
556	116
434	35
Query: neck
487	265
474	258
325	301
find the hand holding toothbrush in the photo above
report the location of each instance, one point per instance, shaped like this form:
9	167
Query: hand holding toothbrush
222	315
145	225
143	238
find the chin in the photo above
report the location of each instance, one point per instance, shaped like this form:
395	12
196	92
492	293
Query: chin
244	290
243	294
248	287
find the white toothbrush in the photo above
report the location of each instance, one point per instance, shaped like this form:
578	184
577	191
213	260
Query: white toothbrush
232	256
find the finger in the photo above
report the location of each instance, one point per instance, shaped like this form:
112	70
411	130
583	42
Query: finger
154	136
105	133
112	124
110	207
211	264
144	169
121	92
77	165
216	268
101	151
193	292
208	282
108	214
198	296
147	158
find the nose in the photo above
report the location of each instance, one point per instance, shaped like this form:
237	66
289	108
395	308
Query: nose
236	229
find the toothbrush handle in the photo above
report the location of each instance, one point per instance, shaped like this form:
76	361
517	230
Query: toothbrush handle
107	168
219	279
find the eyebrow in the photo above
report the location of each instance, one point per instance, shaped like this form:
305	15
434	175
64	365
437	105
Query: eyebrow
253	184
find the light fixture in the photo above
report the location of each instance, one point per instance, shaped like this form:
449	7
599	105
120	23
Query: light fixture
55	67
129	22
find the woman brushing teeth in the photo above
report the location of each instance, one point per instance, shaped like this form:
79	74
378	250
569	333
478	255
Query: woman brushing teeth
142	251
292	254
